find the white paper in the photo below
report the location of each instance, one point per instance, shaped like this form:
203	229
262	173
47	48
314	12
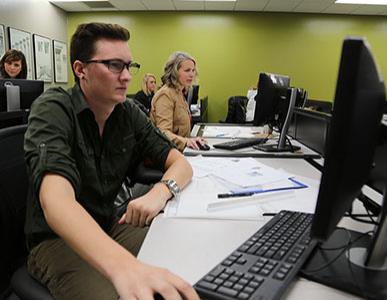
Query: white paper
199	199
232	131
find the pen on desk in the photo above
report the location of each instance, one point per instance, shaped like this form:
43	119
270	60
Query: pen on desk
299	185
232	195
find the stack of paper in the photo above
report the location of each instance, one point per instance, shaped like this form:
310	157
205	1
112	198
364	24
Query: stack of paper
239	188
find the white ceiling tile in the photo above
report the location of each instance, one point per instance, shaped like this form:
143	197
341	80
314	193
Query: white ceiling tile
189	5
250	5
72	6
319	1
215	5
279	5
314	7
128	5
370	9
341	8
159	4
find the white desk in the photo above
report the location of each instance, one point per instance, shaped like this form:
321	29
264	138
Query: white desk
305	152
191	247
244	131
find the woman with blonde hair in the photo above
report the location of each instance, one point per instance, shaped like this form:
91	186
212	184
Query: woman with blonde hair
170	111
148	89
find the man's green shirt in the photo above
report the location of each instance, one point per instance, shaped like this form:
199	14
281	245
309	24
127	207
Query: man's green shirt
63	138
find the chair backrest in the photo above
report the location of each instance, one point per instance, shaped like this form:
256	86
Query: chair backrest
13	195
204	109
237	109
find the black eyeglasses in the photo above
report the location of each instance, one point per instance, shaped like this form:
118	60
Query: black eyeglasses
117	66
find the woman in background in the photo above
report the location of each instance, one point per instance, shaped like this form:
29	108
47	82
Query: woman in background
148	88
170	111
13	65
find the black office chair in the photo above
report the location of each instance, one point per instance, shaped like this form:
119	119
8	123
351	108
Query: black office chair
236	112
144	175
13	193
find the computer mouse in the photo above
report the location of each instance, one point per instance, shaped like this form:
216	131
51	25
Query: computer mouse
203	147
158	297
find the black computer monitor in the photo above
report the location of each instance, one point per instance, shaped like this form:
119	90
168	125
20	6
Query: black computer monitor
275	102
272	93
29	90
195	94
350	260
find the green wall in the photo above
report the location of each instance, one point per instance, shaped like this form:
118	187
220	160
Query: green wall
232	48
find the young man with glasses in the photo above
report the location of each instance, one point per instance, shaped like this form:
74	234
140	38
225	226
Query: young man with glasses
80	145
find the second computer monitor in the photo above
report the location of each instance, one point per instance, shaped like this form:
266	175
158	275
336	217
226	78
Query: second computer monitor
27	92
272	96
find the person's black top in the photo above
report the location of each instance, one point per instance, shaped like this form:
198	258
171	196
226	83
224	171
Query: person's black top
144	99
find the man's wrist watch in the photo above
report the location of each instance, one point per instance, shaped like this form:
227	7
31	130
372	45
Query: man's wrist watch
172	186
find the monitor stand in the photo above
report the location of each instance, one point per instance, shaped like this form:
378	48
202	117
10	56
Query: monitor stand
282	146
13	97
344	270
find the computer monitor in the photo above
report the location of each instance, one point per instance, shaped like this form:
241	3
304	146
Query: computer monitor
349	260
272	92
275	102
310	128
26	92
301	98
193	95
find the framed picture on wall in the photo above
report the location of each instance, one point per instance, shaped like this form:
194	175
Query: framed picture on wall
60	61
21	40
43	58
2	40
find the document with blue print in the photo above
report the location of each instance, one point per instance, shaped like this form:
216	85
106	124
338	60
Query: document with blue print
232	131
240	188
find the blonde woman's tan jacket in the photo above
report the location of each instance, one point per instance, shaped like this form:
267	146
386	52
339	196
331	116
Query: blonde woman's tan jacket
170	113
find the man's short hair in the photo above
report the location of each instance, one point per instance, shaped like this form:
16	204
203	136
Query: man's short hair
86	35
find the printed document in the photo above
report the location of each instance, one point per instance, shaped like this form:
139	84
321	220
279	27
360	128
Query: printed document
214	176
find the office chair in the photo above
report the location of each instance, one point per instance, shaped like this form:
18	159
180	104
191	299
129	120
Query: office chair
236	112
13	193
144	175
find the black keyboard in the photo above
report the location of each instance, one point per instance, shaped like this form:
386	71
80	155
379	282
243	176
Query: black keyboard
240	143
264	265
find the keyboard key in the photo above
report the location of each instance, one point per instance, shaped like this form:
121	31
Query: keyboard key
227	291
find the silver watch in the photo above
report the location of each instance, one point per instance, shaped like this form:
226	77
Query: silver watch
172	186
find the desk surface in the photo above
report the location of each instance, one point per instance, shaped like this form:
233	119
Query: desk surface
191	247
305	152
245	131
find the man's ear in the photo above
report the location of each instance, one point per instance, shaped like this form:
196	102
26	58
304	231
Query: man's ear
79	69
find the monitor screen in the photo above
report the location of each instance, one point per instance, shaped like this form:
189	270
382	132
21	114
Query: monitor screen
195	94
311	129
350	147
192	95
29	90
271	97
275	103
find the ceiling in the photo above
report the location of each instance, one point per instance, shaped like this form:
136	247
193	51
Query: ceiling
292	6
